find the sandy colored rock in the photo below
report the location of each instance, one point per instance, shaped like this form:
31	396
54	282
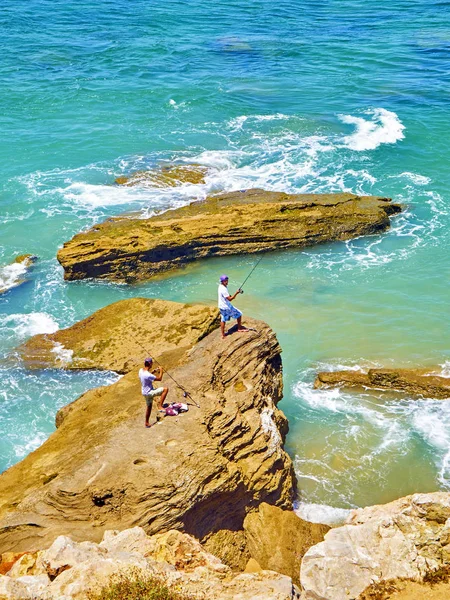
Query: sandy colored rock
252	566
118	337
278	539
11	589
166	176
380	544
230	546
29	564
199	472
173	547
436	587
248	221
417	382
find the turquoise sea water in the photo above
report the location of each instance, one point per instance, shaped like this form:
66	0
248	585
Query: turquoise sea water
312	96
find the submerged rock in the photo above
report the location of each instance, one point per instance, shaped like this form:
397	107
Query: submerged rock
200	472
417	382
13	275
169	176
405	539
248	221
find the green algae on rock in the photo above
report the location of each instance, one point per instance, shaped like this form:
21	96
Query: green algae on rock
248	221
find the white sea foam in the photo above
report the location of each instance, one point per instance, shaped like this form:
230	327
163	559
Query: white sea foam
238	122
416	178
321	513
25	325
10	275
383	128
103	195
63	355
445	369
268	426
22	450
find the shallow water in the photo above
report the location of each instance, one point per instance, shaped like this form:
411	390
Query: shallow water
302	97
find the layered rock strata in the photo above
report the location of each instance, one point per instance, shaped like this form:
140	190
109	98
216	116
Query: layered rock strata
69	570
416	382
248	221
201	472
405	539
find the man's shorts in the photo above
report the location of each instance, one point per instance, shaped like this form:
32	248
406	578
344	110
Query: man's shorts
153	394
229	313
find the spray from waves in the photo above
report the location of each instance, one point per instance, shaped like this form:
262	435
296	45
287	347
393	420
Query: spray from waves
273	152
25	325
363	444
431	420
321	513
11	275
29	401
445	369
383	128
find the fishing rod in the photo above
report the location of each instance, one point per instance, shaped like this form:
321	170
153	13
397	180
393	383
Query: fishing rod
248	276
186	393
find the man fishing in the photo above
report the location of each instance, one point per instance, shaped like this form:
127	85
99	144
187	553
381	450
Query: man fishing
148	391
227	310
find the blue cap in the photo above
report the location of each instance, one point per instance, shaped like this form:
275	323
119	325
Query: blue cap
223	277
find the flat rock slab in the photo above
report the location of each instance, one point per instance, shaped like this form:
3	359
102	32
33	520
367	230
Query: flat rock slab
248	221
119	336
417	382
199	472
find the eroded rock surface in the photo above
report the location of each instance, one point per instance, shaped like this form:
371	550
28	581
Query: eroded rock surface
417	382
405	539
68	570
200	472
119	336
248	221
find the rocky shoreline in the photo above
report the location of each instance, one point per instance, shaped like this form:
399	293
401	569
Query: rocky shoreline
203	499
249	221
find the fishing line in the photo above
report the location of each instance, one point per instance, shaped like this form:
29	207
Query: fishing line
186	393
248	276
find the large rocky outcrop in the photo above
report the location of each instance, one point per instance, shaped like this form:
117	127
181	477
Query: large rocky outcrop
119	336
417	382
69	570
200	472
248	221
405	539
